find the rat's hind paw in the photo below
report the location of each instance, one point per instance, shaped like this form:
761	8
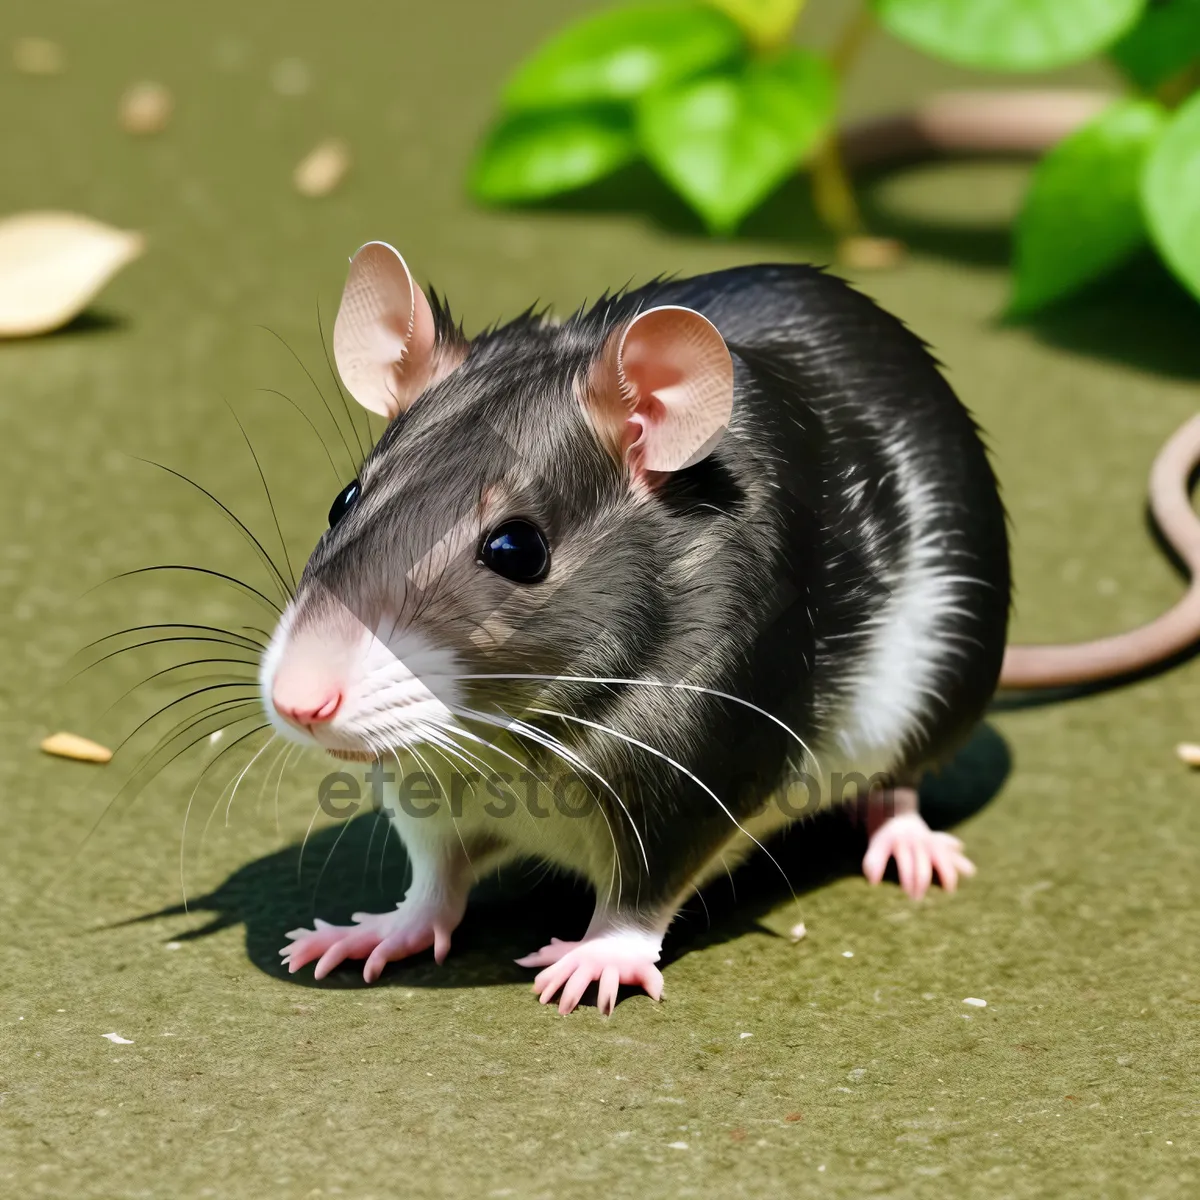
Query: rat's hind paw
609	959
920	853
380	938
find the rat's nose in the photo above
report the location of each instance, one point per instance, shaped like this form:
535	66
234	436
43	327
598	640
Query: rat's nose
305	712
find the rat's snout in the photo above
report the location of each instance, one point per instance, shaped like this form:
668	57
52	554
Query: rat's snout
305	706
331	678
311	670
308	687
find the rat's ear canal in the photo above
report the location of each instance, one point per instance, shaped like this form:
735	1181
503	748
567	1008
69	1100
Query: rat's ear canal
674	377
384	336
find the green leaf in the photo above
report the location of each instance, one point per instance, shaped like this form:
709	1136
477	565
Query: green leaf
619	53
766	23
1082	213
1171	194
531	156
1161	44
1009	35
726	141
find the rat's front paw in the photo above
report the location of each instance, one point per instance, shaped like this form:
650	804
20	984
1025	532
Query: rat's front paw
380	938
609	959
920	854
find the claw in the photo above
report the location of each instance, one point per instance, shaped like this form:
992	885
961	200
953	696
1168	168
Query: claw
622	956
379	938
920	854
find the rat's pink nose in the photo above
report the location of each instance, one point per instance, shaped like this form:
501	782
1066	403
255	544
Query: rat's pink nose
306	712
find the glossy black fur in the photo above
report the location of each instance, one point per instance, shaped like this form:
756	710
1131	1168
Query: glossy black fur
790	530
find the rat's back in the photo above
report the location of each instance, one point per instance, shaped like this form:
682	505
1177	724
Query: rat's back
879	461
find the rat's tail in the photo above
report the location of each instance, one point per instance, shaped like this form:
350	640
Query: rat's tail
1176	630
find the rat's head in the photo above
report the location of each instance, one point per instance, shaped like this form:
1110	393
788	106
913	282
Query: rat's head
510	521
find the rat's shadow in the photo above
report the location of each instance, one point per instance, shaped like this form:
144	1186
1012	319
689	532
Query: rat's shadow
361	866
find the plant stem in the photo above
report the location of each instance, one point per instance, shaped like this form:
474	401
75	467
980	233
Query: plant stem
1174	91
832	192
846	49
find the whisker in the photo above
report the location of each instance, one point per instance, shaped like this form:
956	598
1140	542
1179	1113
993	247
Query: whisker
253	591
212	687
262	787
332	465
435	730
287	562
253	644
320	394
279	782
328	859
379	813
548	742
555	746
304	843
242	776
188	810
193	662
268	561
224	709
453	819
362	454
124	791
659	683
679	767
155	642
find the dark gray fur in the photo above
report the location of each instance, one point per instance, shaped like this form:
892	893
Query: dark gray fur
756	572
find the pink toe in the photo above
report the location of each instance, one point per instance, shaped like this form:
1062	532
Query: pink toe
303	952
923	871
573	991
548	982
606	993
441	945
902	853
945	863
875	863
333	957
652	981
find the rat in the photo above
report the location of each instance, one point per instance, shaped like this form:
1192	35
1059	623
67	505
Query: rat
657	580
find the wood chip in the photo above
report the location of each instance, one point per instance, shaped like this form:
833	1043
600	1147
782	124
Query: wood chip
320	171
870	253
38	56
51	266
1188	752
145	108
71	745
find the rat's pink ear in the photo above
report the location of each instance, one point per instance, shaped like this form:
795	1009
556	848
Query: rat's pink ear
672	395
384	336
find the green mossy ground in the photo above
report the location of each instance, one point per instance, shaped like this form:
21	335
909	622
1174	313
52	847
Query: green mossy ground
861	1075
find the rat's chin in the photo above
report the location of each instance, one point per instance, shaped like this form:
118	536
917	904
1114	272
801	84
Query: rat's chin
350	755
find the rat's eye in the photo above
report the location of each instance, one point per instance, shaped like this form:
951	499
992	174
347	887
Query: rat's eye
344	502
518	550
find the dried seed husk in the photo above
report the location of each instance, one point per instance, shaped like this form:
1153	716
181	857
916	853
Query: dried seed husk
146	108
323	168
71	745
51	266
862	253
1189	753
